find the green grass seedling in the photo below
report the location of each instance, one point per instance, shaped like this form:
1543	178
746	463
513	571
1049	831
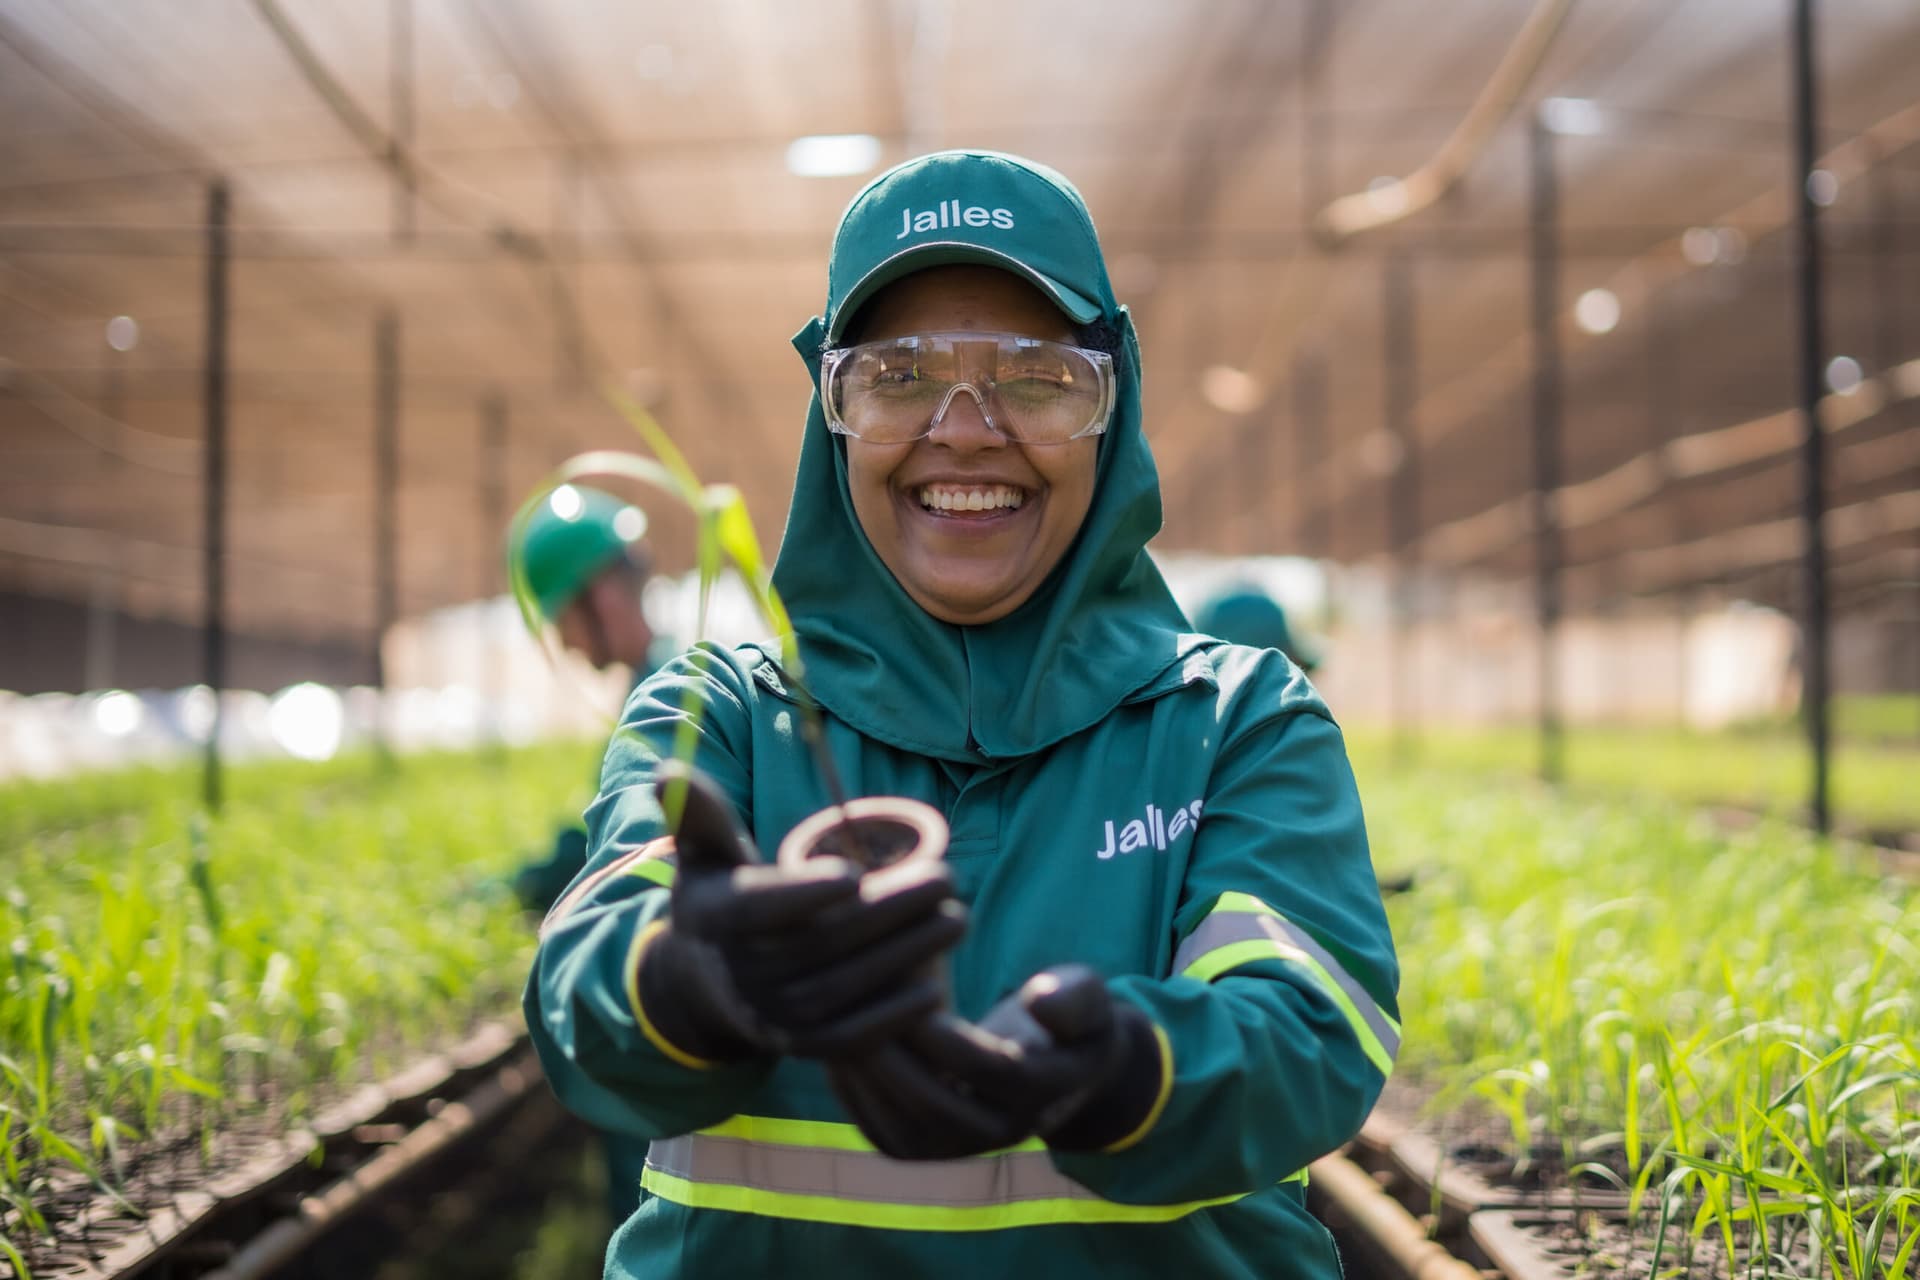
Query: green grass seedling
1724	1022
165	974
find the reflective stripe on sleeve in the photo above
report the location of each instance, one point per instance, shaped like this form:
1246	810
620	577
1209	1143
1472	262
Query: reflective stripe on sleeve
635	954
652	861
815	1171
1241	929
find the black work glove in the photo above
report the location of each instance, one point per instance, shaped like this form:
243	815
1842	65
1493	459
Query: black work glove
1059	1058
755	958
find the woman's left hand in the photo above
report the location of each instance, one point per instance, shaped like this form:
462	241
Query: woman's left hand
1059	1058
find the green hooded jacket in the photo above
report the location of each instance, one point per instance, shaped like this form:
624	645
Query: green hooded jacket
1176	812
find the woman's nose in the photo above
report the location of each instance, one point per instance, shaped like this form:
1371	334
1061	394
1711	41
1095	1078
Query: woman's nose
962	422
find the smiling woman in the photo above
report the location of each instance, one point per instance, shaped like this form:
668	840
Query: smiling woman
1202	991
968	520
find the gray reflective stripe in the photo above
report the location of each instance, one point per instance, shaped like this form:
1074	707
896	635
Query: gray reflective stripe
863	1175
1228	928
660	850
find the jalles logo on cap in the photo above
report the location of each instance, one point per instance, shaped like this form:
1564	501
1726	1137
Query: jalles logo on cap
951	214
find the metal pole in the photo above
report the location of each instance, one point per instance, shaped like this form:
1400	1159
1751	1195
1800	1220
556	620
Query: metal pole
494	514
1815	622
1316	187
1889	343
1310	451
1884	253
214	482
1545	235
1662	429
386	483
1257	483
493	523
569	347
103	599
1403	482
400	95
1316	126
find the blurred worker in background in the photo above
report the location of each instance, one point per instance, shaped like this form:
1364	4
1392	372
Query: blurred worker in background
1170	980
1245	614
587	568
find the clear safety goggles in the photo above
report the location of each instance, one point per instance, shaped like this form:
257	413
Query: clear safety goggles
897	390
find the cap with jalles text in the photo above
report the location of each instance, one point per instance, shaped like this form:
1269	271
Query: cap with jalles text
980	207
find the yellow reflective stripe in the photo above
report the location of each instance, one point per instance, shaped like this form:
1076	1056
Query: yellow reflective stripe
911	1217
824	1134
658	870
641	941
1232	956
1223	945
746	1165
634	861
1369	1042
1160	1100
1244	903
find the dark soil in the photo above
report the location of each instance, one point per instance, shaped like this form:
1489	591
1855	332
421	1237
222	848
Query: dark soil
1594	1243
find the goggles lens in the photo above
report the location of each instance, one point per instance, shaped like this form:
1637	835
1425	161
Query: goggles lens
897	390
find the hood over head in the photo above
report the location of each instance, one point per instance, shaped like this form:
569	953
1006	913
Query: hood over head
1103	626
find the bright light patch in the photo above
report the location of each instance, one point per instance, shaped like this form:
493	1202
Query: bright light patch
629	524
1576	117
653	62
1823	188
1230	390
503	90
832	155
1844	375
1388	195
565	502
308	721
117	713
123	332
1700	246
196	708
1597	311
1382	451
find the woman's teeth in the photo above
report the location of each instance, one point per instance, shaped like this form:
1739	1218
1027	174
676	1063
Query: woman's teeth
942	497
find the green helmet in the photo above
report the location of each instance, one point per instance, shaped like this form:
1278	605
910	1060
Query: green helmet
1247	615
572	535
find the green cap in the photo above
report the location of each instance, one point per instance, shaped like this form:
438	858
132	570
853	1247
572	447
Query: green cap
1247	615
980	207
571	536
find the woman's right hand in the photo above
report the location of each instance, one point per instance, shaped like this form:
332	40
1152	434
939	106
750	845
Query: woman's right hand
813	961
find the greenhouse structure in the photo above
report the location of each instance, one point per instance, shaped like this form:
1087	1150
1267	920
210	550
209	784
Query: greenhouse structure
1313	653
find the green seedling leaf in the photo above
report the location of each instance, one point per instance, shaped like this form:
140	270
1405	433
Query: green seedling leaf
1905	1255
20	1268
683	480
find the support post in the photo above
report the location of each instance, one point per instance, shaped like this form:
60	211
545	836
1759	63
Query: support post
386	484
104	595
1400	354
400	101
214	484
1808	266
1889	347
494	515
1310	453
1544	232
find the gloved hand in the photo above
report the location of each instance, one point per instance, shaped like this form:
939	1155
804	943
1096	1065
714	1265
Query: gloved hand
755	958
1059	1058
